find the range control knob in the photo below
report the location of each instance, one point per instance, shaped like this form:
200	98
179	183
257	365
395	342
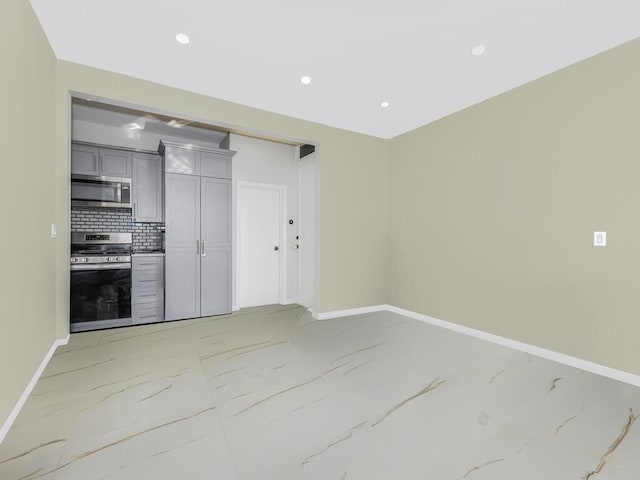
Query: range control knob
74	260
112	259
85	260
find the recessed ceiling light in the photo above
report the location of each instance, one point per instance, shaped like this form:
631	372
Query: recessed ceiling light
182	38
306	80
478	50
384	104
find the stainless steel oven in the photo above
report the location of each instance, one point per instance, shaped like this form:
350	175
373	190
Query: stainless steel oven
100	280
88	191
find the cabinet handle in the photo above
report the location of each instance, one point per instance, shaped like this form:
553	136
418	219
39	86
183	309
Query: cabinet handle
204	253
197	247
134	212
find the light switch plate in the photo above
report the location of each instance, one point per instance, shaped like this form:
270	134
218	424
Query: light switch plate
54	230
599	239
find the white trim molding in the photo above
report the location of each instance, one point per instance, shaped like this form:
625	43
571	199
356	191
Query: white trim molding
32	383
350	312
558	357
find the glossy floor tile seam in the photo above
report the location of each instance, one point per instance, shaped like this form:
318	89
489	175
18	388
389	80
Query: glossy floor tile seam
226	439
269	393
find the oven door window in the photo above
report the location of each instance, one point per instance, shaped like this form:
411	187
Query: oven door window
100	295
95	191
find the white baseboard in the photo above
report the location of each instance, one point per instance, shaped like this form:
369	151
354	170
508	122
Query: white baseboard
27	391
235	308
562	358
349	312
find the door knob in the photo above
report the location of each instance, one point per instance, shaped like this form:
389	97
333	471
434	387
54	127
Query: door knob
276	248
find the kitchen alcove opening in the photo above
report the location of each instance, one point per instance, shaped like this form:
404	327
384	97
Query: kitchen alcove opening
125	141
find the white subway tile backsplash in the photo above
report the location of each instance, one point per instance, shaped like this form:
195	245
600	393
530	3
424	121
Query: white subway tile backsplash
146	236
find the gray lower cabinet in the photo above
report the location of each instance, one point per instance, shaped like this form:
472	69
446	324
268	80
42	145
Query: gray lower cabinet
147	201
215	284
182	240
215	230
147	288
198	246
98	161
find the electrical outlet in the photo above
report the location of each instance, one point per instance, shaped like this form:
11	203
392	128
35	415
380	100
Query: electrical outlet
599	239
54	230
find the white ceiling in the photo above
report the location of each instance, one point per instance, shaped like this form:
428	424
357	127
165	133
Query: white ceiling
413	53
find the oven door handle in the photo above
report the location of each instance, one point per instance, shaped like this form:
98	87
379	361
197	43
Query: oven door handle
100	266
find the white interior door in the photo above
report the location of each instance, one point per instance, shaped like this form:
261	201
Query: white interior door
260	223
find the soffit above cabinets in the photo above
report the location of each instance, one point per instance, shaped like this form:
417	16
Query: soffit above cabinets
131	121
414	54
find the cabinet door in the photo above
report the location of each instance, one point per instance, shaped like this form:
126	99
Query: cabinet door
146	313
145	287
115	163
216	165
182	261
147	279
84	160
216	212
182	284
216	281
216	246
146	184
182	211
181	160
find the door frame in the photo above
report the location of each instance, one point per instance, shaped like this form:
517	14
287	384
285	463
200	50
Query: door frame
282	191
308	218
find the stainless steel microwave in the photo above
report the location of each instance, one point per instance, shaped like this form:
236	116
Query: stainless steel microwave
89	191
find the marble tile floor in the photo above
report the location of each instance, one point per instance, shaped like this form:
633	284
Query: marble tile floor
268	393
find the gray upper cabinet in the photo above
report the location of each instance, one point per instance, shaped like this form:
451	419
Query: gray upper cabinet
115	163
85	160
147	188
215	164
98	161
181	160
199	161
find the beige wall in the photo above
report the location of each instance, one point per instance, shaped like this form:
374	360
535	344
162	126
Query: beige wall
353	180
484	218
27	283
493	211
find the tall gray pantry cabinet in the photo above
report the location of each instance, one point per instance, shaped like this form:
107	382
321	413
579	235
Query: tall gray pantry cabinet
198	230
